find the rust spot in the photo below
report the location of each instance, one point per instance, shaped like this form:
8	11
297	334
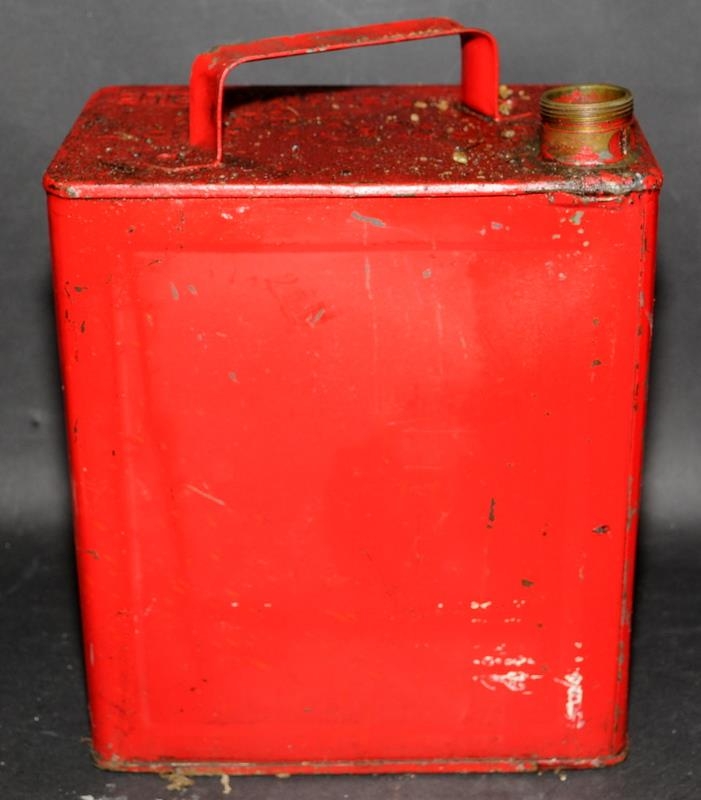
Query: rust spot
527	583
93	554
492	516
596	363
601	529
82	326
617	714
621	660
79	288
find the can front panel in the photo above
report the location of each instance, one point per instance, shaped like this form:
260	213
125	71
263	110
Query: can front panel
355	479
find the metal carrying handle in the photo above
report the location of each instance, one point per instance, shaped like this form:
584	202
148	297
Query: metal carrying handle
480	67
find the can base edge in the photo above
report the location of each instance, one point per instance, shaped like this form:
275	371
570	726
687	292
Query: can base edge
364	766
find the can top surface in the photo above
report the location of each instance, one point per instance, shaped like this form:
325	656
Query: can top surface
132	141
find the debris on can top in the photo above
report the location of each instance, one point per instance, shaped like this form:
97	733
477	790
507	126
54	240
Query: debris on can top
132	141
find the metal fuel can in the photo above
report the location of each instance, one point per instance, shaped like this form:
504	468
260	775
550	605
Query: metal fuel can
355	387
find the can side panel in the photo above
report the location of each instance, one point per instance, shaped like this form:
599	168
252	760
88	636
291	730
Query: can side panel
648	206
89	345
353	477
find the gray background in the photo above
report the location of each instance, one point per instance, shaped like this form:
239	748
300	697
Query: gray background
53	55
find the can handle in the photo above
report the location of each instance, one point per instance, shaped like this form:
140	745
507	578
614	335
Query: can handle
480	66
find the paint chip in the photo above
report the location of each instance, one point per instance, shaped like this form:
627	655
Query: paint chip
576	218
378	223
174	293
574	698
315	317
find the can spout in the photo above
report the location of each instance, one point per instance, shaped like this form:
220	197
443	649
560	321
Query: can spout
586	124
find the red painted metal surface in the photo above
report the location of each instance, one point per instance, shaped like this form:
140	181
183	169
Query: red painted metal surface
355	420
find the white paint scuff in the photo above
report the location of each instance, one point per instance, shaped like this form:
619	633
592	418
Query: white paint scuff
514	678
368	279
575	697
204	494
507	661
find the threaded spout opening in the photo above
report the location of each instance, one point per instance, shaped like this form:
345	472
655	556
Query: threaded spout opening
586	103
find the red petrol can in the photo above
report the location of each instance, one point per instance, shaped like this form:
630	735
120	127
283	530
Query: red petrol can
355	386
